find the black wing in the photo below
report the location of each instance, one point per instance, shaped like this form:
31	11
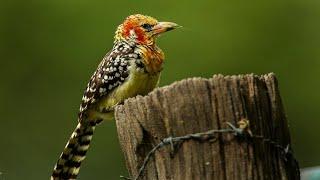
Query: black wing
111	72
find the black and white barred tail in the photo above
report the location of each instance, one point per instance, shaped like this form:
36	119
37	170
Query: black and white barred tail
74	153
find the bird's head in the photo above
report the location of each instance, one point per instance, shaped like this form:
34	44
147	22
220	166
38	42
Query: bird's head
141	29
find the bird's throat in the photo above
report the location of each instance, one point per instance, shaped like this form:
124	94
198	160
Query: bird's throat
153	58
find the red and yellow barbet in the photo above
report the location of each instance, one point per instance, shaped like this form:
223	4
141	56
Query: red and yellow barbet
132	67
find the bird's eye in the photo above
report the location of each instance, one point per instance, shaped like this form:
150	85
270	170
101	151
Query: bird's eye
147	27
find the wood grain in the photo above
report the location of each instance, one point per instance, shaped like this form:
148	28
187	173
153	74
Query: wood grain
197	105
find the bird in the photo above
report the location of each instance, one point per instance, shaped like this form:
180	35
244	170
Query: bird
132	67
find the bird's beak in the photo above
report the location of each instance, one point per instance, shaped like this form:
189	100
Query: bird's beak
162	27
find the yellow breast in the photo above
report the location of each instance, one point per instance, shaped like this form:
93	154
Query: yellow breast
138	83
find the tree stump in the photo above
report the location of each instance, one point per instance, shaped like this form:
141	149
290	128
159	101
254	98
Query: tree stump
198	105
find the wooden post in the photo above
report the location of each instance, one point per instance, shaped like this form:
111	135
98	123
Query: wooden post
198	105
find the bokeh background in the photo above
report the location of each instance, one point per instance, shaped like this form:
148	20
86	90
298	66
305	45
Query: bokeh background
49	49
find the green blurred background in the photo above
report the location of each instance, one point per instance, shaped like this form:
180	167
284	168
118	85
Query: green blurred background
49	49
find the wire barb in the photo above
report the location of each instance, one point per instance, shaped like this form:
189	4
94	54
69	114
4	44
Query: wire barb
242	131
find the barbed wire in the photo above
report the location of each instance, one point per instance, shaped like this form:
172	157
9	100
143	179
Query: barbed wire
243	130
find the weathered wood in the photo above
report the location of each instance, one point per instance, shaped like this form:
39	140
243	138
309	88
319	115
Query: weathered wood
197	105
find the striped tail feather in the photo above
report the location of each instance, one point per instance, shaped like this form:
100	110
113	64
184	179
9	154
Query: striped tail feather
74	153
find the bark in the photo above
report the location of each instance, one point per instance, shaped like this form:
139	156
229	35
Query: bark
198	105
